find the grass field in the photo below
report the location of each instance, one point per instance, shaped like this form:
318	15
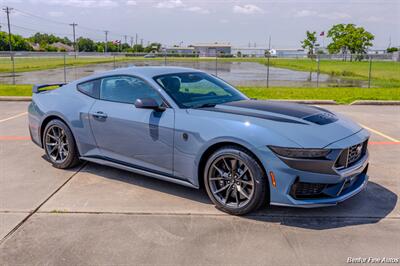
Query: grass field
25	64
341	95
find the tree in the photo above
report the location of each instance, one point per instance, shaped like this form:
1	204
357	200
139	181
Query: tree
347	38
152	47
392	49
138	48
86	45
18	43
310	42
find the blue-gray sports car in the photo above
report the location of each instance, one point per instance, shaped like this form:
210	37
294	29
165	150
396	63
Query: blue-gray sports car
191	128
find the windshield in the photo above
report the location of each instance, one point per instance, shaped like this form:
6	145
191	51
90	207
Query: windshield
194	90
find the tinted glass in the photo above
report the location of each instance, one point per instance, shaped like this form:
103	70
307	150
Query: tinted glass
193	90
90	88
126	89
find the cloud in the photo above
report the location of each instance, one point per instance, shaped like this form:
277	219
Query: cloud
197	9
56	14
305	13
312	13
131	3
79	3
170	4
247	9
223	21
373	19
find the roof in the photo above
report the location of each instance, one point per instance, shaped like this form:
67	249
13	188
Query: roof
212	45
145	72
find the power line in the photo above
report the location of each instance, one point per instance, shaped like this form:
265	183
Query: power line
40	18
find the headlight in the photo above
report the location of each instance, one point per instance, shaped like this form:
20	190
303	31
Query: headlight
300	153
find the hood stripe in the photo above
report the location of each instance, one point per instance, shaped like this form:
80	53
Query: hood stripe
244	113
283	108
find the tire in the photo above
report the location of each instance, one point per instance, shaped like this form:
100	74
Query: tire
59	145
231	187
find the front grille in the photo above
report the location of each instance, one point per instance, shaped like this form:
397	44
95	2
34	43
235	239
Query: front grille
354	153
306	190
351	155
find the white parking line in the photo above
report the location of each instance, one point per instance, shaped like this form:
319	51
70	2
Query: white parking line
12	117
380	133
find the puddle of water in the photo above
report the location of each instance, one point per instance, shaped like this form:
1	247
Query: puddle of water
236	73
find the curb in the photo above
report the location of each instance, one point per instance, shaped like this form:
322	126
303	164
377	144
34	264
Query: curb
330	102
369	102
16	98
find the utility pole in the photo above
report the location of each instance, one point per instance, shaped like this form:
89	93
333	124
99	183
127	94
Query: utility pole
105	47
8	10
73	32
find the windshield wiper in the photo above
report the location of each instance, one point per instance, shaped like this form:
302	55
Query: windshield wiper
205	105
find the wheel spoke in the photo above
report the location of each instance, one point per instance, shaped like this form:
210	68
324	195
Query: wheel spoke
243	172
250	183
222	189
237	198
234	164
217	178
241	191
228	192
221	173
226	164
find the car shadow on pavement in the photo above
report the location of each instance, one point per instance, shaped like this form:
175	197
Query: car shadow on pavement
369	206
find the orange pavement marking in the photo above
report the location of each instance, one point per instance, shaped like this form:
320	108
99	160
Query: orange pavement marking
15	138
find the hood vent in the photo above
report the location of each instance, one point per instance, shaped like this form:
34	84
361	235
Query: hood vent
321	118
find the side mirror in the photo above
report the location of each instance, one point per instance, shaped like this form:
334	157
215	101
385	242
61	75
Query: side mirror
149	103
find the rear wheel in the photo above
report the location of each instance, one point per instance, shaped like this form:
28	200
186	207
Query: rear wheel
59	145
234	181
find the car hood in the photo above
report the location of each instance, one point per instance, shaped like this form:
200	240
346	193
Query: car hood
308	126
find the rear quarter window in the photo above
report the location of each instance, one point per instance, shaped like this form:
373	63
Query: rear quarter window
90	88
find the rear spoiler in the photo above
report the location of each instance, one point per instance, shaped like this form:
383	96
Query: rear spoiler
39	87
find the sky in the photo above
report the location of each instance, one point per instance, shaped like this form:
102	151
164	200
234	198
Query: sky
184	22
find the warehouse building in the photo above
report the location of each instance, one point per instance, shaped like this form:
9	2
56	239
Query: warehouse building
212	49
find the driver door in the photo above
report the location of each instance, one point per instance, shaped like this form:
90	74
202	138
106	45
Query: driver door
142	138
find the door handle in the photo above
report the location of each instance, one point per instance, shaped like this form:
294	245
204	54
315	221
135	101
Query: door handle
100	114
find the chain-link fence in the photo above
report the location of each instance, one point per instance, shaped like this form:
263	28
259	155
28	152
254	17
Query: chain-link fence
294	70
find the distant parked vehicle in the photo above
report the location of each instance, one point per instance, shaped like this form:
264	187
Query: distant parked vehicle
150	56
188	127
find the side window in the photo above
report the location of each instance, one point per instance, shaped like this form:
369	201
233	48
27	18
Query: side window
126	89
90	88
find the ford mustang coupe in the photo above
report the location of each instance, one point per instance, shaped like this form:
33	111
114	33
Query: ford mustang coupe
191	128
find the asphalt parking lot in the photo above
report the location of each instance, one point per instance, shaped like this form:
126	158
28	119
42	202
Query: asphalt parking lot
99	215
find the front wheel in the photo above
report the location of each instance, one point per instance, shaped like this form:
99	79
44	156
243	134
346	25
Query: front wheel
59	145
234	180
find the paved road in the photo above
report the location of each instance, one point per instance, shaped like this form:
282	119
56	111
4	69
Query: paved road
99	215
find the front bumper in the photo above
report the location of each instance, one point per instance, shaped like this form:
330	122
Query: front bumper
324	188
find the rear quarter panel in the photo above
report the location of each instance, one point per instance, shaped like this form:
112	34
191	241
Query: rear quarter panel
71	106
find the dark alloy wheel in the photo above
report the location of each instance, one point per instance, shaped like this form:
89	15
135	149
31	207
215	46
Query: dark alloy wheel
234	181
59	145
